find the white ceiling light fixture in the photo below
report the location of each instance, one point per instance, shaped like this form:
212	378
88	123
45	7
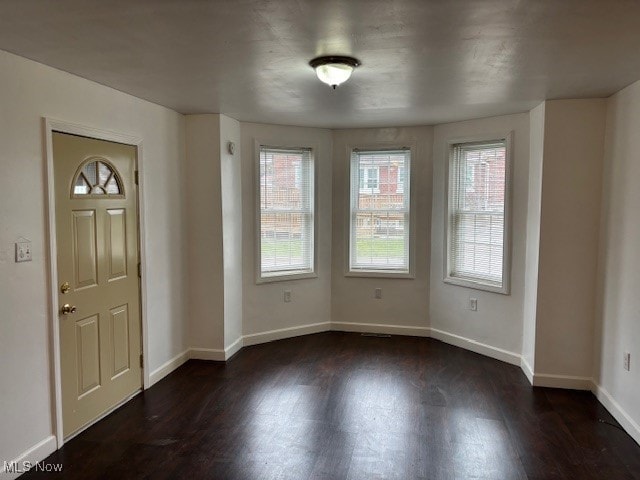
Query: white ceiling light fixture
334	69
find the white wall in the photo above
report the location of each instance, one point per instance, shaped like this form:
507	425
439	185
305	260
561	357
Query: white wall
618	309
29	91
231	184
204	215
405	302
534	204
498	321
264	308
569	222
214	204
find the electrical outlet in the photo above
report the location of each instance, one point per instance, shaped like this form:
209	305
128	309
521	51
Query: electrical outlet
287	296
377	293
23	252
627	361
473	304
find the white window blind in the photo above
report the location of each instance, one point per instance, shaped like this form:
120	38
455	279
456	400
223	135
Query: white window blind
380	211
477	200
286	211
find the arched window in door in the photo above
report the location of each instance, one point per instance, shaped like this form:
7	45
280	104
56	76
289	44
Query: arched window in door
97	177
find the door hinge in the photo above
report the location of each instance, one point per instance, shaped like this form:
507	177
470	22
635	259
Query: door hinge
141	360
139	270
136	177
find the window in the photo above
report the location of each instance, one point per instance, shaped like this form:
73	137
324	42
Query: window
380	212
97	177
286	216
478	201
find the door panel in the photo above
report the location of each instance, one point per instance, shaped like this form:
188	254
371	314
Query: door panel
120	340
97	251
88	354
117	243
84	248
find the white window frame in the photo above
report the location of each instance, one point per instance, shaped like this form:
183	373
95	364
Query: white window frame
289	274
479	284
349	223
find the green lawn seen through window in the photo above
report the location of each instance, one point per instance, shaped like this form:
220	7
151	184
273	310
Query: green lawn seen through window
369	247
380	247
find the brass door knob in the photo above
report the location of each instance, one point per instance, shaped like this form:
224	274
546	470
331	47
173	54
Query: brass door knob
65	288
68	309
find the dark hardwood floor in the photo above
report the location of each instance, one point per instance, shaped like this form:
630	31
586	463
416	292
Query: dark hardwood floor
344	406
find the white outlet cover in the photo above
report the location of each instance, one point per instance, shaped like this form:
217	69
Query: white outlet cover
473	304
23	252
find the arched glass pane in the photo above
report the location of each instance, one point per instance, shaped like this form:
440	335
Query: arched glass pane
80	187
89	171
112	186
97	178
104	172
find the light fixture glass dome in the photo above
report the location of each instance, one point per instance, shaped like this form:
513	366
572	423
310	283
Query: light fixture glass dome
334	73
334	70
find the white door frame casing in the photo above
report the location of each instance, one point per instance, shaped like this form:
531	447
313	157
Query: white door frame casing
50	126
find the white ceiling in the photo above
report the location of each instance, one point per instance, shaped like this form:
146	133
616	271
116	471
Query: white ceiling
423	62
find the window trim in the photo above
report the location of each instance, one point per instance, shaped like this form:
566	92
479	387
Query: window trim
372	273
289	275
478	284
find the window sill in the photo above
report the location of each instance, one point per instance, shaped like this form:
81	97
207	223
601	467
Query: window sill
379	274
286	277
477	285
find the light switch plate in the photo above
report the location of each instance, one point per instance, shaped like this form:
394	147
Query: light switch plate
23	252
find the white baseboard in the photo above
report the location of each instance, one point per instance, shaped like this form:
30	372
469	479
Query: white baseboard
380	328
614	408
568	382
271	335
234	348
584	383
168	367
477	347
33	455
526	368
215	354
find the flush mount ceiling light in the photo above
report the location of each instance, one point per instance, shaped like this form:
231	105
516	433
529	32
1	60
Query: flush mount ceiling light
334	70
